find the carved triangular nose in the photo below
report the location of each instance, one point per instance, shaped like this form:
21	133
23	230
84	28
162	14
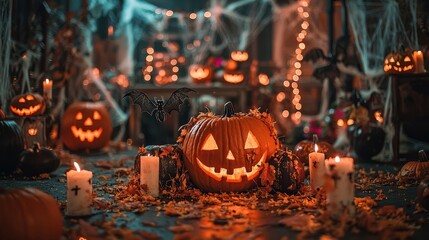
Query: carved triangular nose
88	122
230	156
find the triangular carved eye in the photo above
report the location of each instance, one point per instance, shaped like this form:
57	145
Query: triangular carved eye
79	116
29	97
21	100
210	143
96	116
251	141
407	59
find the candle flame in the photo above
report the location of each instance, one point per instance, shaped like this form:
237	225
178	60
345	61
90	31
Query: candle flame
76	166
316	148
419	52
47	80
337	159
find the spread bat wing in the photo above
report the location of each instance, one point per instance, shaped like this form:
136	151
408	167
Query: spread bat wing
176	99
142	100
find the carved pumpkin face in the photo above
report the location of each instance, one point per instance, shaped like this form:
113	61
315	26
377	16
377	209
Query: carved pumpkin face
200	73
239	56
233	77
399	62
86	125
29	104
224	154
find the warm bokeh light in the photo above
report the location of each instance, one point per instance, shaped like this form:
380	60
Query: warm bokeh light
280	96
193	16
285	113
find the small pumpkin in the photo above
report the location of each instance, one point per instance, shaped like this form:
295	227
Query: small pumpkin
289	172
415	170
233	77
303	148
28	104
200	73
399	62
28	213
11	145
239	56
86	126
226	153
170	162
423	193
38	160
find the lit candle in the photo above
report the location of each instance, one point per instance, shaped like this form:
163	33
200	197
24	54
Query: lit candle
149	174
340	194
47	89
79	192
317	169
418	61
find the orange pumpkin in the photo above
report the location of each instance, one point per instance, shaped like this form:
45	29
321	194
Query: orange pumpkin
415	170
28	213
200	73
28	104
399	62
86	126
233	77
239	56
226	153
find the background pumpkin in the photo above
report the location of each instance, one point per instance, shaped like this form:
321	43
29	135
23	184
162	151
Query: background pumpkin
415	170
11	145
37	160
28	104
86	126
290	173
399	62
28	213
218	150
303	148
200	73
170	162
423	193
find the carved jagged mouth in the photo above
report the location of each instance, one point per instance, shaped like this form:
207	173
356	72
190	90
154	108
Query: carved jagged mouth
406	68
238	173
26	111
87	135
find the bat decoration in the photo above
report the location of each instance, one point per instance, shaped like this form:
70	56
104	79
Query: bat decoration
158	107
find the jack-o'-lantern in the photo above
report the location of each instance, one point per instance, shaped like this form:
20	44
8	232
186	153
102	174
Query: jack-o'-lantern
200	73
86	126
399	62
28	104
239	56
233	77
226	153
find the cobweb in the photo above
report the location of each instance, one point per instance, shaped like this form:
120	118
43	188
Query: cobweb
378	29
5	31
232	25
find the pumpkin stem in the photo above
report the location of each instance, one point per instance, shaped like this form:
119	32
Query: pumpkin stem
422	156
228	110
36	146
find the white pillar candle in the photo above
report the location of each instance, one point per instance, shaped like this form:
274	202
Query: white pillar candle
79	192
317	169
47	89
342	191
419	62
149	174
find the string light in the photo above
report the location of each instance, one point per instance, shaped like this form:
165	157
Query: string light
295	70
